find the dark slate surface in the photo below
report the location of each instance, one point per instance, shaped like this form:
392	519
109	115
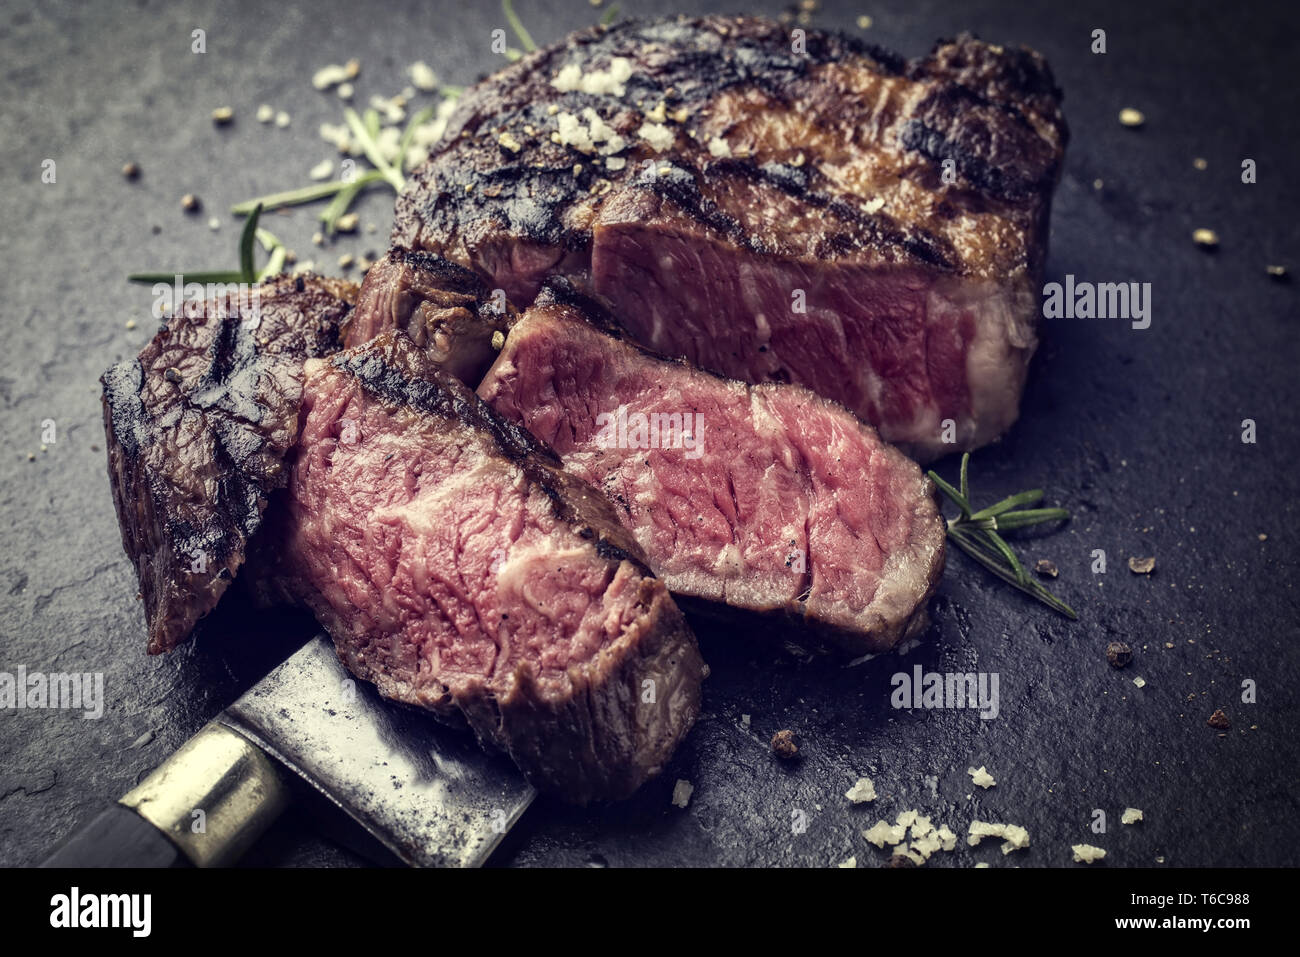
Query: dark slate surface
1137	431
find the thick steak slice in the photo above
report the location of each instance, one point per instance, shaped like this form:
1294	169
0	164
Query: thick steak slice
766	498
460	569
774	209
446	309
198	427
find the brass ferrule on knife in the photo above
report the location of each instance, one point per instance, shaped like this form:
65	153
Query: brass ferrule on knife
213	797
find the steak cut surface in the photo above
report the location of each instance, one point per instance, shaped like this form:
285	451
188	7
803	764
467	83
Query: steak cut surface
458	567
767	498
198	427
815	211
444	308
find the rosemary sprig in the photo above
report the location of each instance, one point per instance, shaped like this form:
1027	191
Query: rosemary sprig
976	533
361	129
344	192
609	15
247	271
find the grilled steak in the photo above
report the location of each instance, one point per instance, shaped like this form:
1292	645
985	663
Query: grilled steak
766	498
773	208
198	427
443	307
459	568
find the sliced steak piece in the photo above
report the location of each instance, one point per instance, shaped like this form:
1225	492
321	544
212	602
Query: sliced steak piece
446	309
461	569
198	427
820	212
766	498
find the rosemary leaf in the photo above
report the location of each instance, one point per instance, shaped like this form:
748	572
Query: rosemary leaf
952	493
1000	544
371	149
408	134
1030	516
268	239
292	197
1010	502
1029	587
340	204
525	40
275	265
201	277
246	238
965	477
609	15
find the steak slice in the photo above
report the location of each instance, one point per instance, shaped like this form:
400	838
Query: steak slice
444	308
198	427
461	569
766	498
812	210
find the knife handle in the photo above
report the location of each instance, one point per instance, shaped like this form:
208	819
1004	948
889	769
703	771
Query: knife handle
117	837
208	802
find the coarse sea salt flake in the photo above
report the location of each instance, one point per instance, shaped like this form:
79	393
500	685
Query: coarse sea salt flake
862	791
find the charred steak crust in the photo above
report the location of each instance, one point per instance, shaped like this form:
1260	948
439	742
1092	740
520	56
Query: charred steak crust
198	427
722	171
567	348
443	307
474	189
583	730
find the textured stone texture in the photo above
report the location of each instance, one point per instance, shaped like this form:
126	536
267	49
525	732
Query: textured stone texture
1137	431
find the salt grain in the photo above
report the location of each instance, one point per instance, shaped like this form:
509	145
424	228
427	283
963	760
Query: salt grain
423	77
1131	117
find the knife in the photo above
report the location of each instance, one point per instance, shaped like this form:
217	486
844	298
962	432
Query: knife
426	793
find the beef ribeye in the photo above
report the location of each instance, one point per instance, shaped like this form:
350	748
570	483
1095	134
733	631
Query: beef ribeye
198	427
774	207
444	308
768	498
461	569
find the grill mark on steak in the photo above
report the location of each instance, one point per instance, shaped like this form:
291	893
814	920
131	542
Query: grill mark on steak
1002	158
921	289
847	228
198	428
720	528
544	650
473	186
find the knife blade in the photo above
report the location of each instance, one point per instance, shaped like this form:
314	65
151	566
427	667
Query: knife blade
424	791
